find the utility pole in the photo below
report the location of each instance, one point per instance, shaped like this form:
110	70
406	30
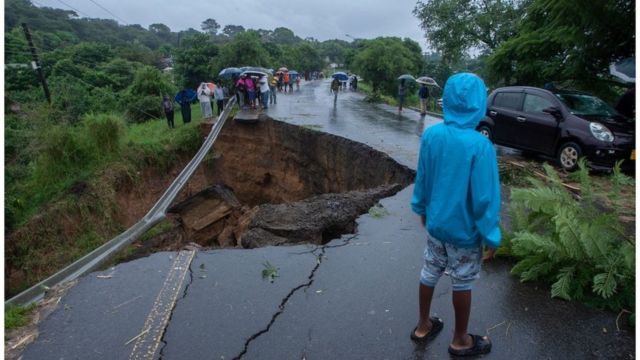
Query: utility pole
35	64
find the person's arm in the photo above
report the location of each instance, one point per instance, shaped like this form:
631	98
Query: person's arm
420	198
485	197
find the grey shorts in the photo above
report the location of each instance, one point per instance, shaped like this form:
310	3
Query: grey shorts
460	263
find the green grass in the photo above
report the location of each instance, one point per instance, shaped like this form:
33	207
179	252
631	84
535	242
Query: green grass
74	172
17	316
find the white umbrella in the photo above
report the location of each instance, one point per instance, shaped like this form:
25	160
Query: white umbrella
625	69
427	81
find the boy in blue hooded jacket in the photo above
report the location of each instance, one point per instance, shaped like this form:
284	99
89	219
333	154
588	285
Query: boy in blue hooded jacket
457	195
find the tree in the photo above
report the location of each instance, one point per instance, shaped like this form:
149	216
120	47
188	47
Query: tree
192	60
382	60
145	93
567	41
231	31
284	36
210	26
453	27
245	49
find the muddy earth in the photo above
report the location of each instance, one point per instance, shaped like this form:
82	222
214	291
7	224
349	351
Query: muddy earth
276	183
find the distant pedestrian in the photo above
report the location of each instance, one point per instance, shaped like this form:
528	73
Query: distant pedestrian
285	77
272	90
167	106
264	91
298	82
204	96
457	195
218	95
335	87
423	94
402	91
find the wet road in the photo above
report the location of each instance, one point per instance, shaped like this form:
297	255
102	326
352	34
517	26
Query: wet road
355	298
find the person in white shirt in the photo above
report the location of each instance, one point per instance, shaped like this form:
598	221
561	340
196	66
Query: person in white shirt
204	96
264	91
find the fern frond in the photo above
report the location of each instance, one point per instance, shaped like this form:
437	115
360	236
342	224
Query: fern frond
567	228
617	177
561	288
604	284
525	244
537	271
526	263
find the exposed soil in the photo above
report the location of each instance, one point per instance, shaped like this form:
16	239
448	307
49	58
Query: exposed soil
276	183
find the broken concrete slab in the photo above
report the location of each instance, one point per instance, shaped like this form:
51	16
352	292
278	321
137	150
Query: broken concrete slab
105	310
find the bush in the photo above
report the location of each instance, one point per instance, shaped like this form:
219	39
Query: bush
576	243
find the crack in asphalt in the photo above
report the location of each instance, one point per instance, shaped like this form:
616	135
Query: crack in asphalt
281	307
184	295
313	251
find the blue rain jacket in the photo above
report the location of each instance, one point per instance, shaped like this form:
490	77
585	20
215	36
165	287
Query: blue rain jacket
457	186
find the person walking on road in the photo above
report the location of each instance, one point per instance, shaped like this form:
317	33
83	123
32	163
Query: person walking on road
272	90
402	91
335	87
423	94
218	95
204	96
457	195
167	106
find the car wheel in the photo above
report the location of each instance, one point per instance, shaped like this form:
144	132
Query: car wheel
568	156
486	132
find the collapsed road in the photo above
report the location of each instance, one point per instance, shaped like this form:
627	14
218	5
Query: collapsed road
350	297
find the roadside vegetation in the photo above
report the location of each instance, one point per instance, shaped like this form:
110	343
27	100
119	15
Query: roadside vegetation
575	233
17	316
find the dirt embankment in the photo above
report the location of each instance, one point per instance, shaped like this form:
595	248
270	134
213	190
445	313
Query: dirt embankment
269	162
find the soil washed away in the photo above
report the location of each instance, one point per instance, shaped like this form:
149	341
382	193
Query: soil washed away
276	183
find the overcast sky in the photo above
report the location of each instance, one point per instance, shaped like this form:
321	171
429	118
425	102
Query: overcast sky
323	20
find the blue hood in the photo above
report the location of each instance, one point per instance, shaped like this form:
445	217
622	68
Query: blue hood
465	100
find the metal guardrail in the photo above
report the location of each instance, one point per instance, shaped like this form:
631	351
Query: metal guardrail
157	213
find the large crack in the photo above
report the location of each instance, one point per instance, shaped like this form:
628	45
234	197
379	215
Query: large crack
282	305
184	295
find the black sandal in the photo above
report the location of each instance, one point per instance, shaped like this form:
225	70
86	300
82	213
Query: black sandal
436	326
481	345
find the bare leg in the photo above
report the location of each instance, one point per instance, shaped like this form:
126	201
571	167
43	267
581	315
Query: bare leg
424	324
462	308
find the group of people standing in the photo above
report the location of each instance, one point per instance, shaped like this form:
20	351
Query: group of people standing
204	93
253	91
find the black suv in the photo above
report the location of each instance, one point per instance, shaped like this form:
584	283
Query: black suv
563	124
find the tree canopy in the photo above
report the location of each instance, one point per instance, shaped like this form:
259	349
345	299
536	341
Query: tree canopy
382	60
453	27
566	41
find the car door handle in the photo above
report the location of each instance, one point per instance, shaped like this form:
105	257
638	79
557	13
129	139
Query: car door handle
493	113
521	118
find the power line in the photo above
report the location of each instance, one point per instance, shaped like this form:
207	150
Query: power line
74	9
112	14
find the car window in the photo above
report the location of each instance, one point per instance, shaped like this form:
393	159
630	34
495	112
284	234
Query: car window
582	104
509	100
535	103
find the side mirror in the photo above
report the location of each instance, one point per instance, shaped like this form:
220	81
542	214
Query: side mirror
553	111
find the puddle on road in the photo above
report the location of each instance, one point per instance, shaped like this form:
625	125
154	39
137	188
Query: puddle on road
275	183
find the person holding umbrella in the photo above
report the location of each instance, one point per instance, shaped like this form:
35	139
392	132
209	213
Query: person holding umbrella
402	91
185	97
423	94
